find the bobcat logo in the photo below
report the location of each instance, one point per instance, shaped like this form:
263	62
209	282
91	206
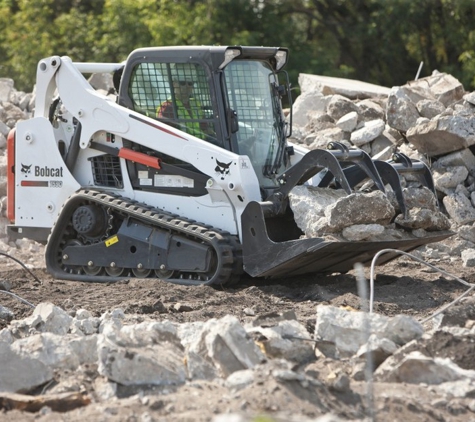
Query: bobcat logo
222	168
26	169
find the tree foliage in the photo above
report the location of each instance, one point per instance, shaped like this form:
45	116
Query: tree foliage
378	41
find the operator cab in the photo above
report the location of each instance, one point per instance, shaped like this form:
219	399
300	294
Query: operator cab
228	96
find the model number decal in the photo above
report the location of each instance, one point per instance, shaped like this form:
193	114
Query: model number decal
55	184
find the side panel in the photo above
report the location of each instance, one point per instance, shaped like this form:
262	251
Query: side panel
42	180
11	176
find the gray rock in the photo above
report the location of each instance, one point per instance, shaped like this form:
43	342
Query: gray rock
459	208
225	345
6	88
367	133
359	208
447	179
156	364
309	101
401	112
447	89
467	232
468	257
464	158
415	368
443	135
339	106
348	331
430	108
56	320
423	218
359	232
324	137
6	314
50	349
285	340
348	122
318	121
369	110
379	349
240	379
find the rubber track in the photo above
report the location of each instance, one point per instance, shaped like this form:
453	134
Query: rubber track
227	246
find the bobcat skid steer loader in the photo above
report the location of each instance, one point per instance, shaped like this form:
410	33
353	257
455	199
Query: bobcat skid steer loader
185	176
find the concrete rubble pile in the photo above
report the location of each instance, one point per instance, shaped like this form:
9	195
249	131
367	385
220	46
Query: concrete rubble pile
58	348
431	120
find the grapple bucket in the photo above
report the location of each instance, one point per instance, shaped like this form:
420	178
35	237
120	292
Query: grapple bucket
262	257
286	254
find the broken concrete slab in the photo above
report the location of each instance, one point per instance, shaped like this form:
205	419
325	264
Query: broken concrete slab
350	88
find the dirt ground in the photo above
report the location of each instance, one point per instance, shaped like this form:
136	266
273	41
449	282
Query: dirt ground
401	287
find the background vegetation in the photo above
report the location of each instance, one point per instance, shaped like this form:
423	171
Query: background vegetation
377	41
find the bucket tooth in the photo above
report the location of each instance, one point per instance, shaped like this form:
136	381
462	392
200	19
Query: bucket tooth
404	165
359	158
312	163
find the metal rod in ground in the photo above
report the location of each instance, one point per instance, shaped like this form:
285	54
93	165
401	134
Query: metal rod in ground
361	284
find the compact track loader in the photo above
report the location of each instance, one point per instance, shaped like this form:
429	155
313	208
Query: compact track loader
185	176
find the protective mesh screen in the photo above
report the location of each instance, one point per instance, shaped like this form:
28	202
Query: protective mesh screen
175	93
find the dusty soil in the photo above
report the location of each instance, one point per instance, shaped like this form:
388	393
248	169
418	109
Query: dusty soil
401	287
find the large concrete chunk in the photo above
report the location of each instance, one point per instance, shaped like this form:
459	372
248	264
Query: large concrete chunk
359	208
459	208
21	373
401	112
158	364
50	349
415	368
310	101
285	340
225	345
447	89
348	331
56	320
443	135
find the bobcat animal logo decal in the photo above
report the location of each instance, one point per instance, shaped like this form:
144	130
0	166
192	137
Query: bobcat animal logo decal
26	169
222	168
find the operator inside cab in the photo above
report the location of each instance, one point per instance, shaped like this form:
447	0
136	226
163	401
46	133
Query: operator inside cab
181	107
